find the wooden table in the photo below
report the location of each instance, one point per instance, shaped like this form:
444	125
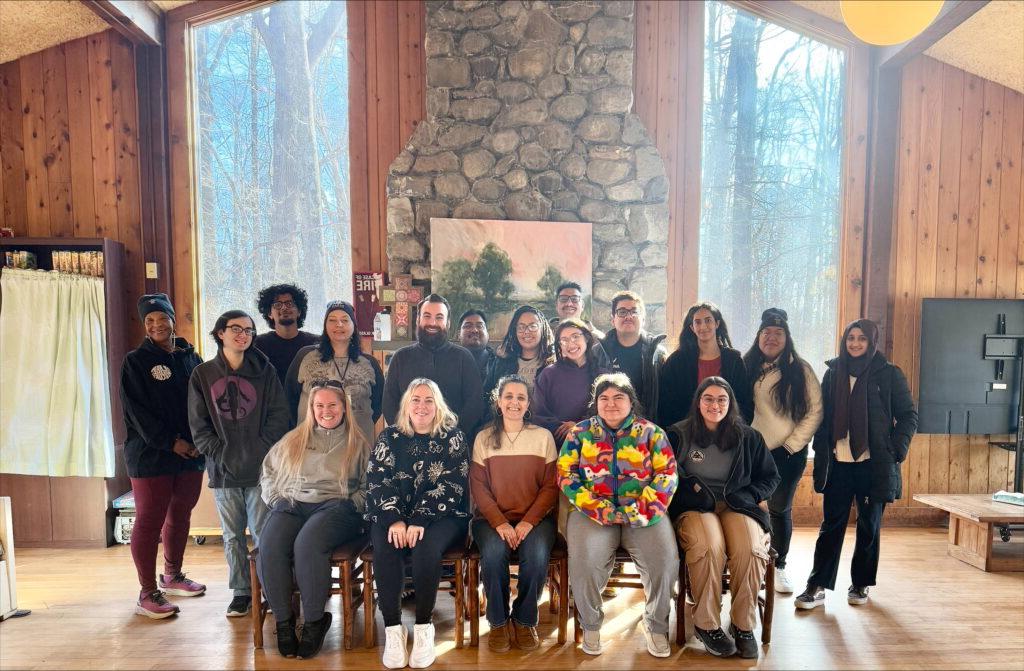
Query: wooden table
971	517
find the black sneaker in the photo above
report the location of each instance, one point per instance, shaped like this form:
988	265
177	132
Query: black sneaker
746	645
287	644
239	606
716	641
858	596
313	634
812	597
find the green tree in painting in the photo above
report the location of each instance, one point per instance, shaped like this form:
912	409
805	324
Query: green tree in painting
492	271
548	283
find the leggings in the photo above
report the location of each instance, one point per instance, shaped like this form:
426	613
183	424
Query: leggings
389	567
163	510
780	503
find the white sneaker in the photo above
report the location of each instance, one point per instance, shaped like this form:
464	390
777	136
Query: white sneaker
395	654
782	584
592	642
657	644
423	653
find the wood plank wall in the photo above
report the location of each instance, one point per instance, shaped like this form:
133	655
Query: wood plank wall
958	233
69	149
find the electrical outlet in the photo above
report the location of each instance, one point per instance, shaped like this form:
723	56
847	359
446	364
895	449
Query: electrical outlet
151	271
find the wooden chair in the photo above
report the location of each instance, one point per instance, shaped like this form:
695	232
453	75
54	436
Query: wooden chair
457	556
557	583
345	558
765	601
619	578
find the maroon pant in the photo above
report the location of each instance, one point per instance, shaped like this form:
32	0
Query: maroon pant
163	508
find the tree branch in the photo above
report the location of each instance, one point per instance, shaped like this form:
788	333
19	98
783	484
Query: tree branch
323	32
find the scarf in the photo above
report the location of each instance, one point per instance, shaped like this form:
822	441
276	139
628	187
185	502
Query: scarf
850	416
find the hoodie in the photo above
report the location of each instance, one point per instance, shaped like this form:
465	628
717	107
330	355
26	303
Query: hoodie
236	416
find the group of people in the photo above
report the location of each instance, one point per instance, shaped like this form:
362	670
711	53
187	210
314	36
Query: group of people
701	449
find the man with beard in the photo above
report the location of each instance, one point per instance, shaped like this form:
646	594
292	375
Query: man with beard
473	336
284	308
451	366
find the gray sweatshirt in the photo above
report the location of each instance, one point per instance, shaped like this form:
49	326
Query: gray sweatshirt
235	417
319	476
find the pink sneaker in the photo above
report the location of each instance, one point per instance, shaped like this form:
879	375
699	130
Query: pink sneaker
179	585
155	606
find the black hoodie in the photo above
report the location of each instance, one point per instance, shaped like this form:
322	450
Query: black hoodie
154	394
236	416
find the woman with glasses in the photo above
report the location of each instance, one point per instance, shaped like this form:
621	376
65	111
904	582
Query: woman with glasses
562	393
618	472
525	350
416	483
314	482
725	472
338	357
237	411
705	350
869	421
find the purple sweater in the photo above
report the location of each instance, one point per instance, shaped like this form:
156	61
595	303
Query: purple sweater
561	394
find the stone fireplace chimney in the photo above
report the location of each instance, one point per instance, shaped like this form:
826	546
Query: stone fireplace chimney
529	117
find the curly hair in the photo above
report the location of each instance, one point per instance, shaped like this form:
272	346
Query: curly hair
267	297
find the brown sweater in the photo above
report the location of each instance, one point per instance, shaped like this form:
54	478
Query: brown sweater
517	482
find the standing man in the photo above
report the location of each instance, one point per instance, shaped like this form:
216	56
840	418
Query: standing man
633	351
432	356
284	308
474	337
569	303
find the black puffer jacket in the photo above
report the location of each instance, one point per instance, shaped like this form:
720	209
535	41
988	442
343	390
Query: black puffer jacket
154	394
892	422
752	479
677	383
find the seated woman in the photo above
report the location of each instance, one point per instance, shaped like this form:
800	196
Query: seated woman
512	480
416	486
525	351
313	480
725	473
338	356
618	472
562	393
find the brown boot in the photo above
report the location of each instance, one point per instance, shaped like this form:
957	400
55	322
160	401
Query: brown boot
526	637
498	639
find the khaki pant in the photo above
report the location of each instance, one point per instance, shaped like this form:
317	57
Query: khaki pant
711	542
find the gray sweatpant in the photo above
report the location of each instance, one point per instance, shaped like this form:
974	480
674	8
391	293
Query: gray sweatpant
591	558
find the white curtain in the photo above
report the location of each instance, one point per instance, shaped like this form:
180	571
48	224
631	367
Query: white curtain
54	388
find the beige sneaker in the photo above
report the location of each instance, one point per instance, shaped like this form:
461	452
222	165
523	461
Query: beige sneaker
591	642
657	644
423	653
396	656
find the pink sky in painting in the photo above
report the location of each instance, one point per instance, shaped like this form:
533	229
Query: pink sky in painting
532	245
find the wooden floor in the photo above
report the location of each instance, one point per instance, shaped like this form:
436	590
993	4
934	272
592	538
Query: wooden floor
929	611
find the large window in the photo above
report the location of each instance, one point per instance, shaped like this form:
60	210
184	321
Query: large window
270	89
771	178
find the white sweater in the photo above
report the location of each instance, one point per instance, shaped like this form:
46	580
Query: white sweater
777	427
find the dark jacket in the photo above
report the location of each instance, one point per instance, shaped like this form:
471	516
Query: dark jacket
154	394
483	356
677	383
892	422
454	370
653	355
752	479
236	417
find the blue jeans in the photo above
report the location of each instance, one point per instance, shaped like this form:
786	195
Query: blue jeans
534	554
237	508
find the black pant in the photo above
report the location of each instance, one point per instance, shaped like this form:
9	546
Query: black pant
297	541
780	503
389	567
848	483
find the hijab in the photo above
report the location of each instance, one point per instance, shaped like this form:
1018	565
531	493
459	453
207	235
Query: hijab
851	405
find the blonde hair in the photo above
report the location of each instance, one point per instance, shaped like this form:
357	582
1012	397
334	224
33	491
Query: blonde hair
293	445
444	419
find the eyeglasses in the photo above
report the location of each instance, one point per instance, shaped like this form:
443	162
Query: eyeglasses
281	305
327	384
575	300
574	339
528	328
471	326
622	313
720	401
239	330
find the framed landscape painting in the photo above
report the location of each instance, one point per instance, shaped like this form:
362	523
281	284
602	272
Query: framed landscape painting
497	265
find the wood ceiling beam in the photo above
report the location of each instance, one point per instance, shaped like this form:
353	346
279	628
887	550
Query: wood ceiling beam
952	14
137	21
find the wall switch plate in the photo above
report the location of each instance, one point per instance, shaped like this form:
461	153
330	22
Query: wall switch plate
151	271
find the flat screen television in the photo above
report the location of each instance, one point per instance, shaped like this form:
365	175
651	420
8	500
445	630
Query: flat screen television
960	390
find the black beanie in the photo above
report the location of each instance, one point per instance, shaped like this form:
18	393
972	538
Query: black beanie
345	307
774	317
155	303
